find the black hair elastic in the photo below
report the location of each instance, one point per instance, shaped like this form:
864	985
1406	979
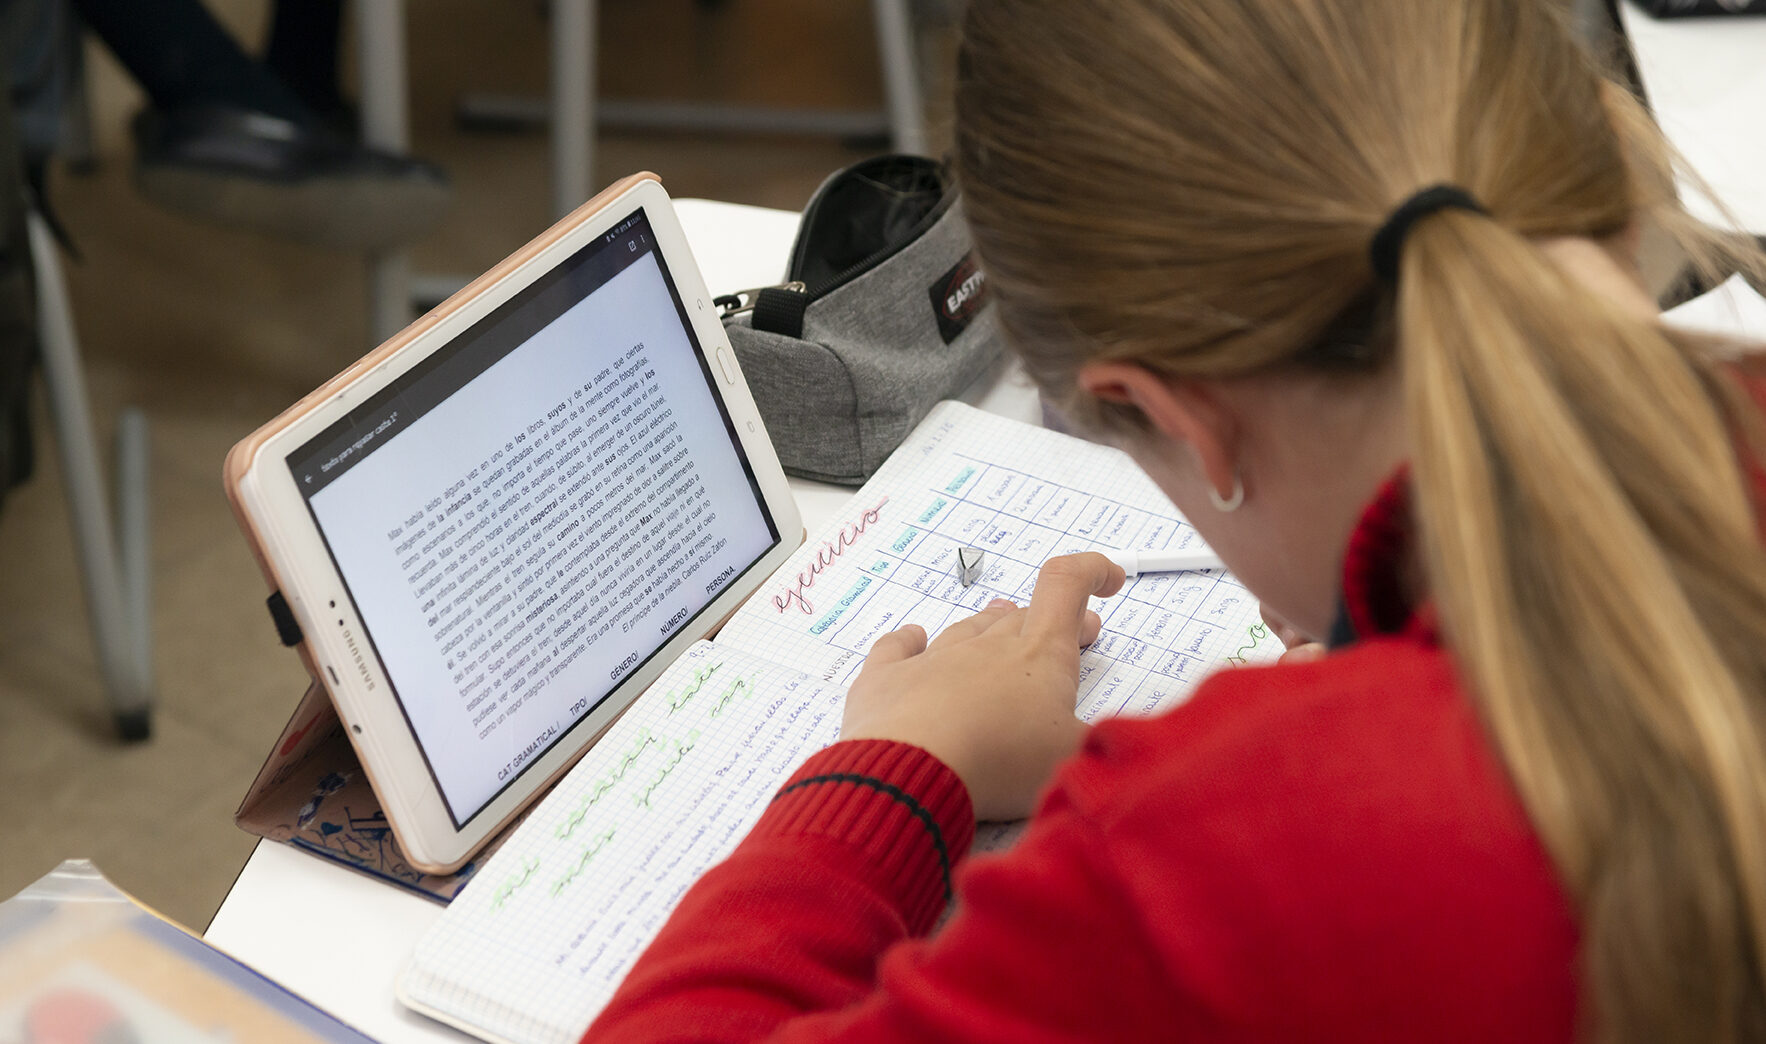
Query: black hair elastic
1388	242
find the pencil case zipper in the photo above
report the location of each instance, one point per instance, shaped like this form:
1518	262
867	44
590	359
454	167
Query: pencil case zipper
780	308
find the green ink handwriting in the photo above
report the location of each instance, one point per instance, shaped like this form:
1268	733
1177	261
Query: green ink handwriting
645	741
1257	633
681	749
583	861
700	677
515	881
742	687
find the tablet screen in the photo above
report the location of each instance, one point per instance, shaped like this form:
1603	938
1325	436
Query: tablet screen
528	514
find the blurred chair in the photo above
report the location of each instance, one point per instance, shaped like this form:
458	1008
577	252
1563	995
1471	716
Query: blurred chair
901	122
573	112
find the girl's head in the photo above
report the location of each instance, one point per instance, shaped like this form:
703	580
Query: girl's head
1190	188
1174	202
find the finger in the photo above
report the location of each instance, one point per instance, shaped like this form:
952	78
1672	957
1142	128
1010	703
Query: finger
897	645
1304	653
1090	626
1062	589
1287	632
969	627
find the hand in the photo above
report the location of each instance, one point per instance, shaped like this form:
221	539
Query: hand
993	697
1300	646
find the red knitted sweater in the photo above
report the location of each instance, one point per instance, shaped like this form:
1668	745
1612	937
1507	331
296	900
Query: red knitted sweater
1321	851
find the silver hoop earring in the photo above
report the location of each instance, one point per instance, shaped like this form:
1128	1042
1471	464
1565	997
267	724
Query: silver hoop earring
1227	505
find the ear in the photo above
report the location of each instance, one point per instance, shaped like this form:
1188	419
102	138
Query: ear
1184	411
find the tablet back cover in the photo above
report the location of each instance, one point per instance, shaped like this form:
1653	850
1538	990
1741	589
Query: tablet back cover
313	794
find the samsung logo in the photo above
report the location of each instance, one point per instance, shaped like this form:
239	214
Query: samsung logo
360	661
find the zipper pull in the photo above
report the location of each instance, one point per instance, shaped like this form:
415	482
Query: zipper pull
744	300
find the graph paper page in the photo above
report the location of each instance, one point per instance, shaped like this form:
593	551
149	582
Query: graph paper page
1022	495
534	947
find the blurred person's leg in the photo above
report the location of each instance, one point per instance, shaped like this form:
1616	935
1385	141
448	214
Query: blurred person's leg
302	51
18	327
181	56
225	138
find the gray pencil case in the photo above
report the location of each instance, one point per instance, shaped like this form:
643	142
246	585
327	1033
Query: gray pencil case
884	314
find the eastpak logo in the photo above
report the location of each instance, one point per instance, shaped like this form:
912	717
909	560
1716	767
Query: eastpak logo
957	296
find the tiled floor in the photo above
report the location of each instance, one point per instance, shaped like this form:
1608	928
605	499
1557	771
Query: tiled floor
214	331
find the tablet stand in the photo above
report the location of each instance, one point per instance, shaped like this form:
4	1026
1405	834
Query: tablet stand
313	794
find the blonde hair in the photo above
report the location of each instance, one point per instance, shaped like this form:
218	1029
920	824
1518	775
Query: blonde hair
1193	186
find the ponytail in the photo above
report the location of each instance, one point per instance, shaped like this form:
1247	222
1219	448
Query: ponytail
1597	564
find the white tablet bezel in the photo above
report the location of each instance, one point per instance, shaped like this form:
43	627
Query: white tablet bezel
293	552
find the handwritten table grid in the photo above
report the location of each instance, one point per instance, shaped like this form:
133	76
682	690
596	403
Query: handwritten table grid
1156	632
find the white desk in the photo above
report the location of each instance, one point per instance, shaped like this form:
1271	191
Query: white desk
339	938
1706	80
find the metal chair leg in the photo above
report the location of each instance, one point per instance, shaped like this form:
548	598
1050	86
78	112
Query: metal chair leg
115	575
901	75
386	124
573	103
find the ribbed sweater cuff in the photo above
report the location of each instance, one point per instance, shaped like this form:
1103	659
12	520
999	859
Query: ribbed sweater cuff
903	812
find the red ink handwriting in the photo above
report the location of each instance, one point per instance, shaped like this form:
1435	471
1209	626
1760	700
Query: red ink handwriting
826	557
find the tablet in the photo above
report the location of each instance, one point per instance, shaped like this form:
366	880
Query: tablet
498	528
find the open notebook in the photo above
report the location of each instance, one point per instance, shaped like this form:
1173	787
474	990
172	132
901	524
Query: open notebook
534	947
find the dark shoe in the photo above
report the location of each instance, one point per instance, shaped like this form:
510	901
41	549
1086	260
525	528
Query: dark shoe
279	177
